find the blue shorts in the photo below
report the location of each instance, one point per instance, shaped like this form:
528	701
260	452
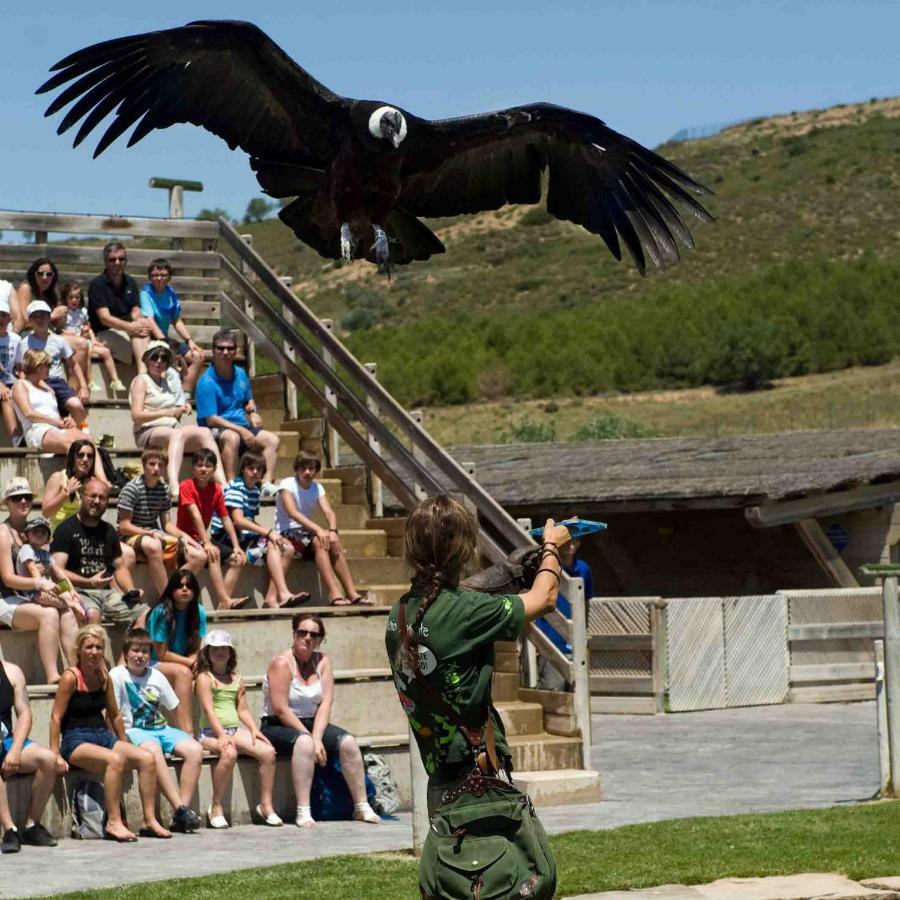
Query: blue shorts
63	392
167	737
6	746
85	734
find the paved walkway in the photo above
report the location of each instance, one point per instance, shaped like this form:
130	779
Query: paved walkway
653	767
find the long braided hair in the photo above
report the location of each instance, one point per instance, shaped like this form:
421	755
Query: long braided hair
438	544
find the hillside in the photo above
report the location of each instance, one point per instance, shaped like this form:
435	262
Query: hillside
793	193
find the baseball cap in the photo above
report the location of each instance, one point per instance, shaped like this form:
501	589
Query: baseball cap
16	487
218	637
35	523
37	306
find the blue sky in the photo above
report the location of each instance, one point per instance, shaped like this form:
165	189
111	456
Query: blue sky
647	67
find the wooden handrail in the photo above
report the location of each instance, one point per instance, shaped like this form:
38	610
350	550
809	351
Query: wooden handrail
72	223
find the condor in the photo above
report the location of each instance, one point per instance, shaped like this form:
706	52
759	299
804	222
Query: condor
362	172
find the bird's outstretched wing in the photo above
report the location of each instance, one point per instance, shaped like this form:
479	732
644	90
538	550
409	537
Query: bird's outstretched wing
227	77
599	179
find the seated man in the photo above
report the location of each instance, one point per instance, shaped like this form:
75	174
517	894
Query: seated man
225	404
144	523
114	311
19	755
88	551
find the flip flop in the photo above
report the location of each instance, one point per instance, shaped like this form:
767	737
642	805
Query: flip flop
109	836
299	599
340	601
240	603
359	600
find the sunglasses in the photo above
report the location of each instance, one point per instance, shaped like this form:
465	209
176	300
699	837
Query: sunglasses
84	454
225	348
159	357
44	274
116	259
303	633
22	498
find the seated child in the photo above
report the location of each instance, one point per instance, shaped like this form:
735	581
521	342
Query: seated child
9	346
142	694
198	499
33	561
258	543
299	496
227	727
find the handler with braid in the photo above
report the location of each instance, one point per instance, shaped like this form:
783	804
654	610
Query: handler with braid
444	658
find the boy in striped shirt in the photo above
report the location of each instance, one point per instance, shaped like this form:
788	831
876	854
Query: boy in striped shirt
258	543
144	523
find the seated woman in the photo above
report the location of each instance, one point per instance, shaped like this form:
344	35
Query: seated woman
86	731
298	692
36	407
157	405
62	493
40	284
160	303
31	604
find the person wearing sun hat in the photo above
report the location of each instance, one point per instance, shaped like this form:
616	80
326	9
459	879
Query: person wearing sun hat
158	405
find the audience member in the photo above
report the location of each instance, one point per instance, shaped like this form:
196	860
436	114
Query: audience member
62	362
20	755
144	523
225	404
114	309
177	624
299	498
143	693
42	425
160	303
39	284
257	542
298	692
9	346
198	499
89	553
62	492
71	319
31	604
227	727
157	407
86	730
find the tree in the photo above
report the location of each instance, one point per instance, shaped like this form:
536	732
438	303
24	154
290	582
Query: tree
257	210
210	215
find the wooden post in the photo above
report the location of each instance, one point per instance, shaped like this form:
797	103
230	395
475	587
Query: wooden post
331	436
826	556
291	397
419	784
417	417
881	717
658	627
892	667
375	483
247	306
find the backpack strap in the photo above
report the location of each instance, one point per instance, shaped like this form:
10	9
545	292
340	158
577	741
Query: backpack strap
485	735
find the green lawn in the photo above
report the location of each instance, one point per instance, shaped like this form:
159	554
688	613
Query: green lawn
857	841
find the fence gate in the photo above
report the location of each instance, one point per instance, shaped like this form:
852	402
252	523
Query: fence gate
728	651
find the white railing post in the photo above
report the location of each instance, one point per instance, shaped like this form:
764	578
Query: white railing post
291	406
419	790
881	718
417	417
247	307
374	481
331	435
573	588
892	667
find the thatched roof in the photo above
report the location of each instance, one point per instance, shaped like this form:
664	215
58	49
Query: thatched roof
733	471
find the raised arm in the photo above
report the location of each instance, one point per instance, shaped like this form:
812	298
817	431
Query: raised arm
541	598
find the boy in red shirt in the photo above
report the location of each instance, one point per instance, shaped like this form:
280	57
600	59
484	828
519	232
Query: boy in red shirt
198	499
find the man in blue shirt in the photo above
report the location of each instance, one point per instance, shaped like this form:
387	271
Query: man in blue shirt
225	405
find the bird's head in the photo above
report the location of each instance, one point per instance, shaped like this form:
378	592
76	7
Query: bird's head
388	124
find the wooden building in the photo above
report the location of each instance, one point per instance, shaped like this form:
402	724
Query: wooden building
712	516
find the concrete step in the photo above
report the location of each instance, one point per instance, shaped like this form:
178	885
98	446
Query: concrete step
393	526
542	751
387	594
560	787
505	686
521	718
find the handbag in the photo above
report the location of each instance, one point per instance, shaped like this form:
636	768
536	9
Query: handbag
485	841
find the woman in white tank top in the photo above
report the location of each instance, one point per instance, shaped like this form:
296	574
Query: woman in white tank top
298	691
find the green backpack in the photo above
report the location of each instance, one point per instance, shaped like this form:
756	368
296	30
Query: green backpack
486	843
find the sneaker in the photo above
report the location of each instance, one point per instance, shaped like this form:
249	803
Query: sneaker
38	836
185	820
117	386
12	843
269	489
93	387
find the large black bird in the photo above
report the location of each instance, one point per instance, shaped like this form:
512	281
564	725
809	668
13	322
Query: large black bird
362	171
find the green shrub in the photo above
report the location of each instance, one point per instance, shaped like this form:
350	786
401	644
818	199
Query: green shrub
527	431
612	427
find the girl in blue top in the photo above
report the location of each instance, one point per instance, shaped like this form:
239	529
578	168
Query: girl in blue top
177	625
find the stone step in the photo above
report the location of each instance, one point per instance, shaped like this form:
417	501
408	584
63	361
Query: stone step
542	751
393	526
560	787
521	718
387	594
505	686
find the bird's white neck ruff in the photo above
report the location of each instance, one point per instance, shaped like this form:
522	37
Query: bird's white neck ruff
375	122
